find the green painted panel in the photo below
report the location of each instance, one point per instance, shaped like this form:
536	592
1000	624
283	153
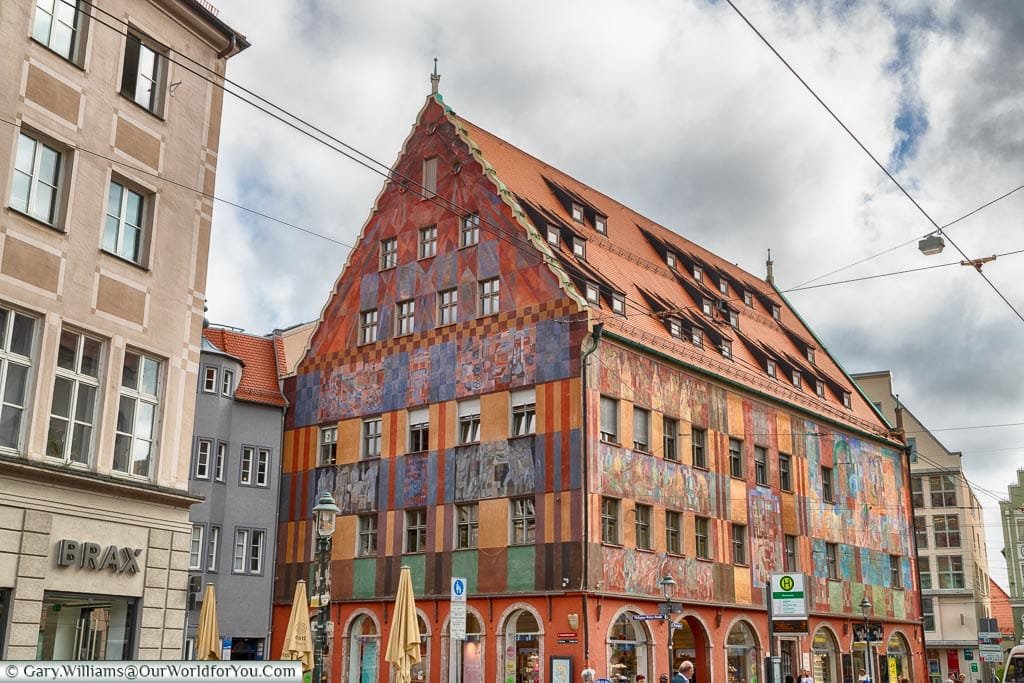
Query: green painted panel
899	604
521	568
417	567
835	596
465	564
365	577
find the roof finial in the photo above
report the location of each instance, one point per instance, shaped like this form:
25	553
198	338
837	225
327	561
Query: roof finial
435	78
769	263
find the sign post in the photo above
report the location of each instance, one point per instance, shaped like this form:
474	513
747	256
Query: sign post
457	623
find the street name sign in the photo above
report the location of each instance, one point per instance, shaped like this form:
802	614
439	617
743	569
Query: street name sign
457	625
648	617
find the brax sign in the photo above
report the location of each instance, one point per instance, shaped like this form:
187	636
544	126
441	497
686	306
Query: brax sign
94	556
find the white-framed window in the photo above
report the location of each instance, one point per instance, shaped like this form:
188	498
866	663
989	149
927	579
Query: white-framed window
367	535
723	285
847	399
137	414
195	548
697	337
706	307
642	526
524	412
761	465
263	467
698	273
210	379
789	554
771	367
739	544
219	459
227	383
748	298
372	430
75	391
429	178
946	530
36	186
593	293
328	446
776	311
204	449
736	458
469	230
405	317
819	388
553	236
466	526
928	614
641	429
702	537
415	530
725	347
388	253
247	557
246	466
810	355
950	571
671	260
368	326
212	548
610	520
489	291
895	573
609	419
447	306
785	472
670	438
125	229
828	493
832	560
469	421
428	241
601	224
734	319
797	382
943	490
579	247
577	212
673	532
419	430
59	25
523	520
675	327
698	440
618	303
145	72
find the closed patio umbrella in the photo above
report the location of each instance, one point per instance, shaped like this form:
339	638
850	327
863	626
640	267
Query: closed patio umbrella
404	639
298	645
208	633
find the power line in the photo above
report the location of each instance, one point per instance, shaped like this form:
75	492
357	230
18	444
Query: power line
873	158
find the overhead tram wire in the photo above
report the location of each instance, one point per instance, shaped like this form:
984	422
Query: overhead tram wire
984	206
872	157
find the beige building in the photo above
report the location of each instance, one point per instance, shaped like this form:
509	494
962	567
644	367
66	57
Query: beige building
108	151
952	556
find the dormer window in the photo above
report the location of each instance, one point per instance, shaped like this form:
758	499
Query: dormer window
726	348
593	293
619	303
810	355
723	285
705	305
734	318
577	212
698	273
776	311
579	247
796	379
675	327
846	399
697	337
748	298
771	367
552	235
671	260
819	388
601	224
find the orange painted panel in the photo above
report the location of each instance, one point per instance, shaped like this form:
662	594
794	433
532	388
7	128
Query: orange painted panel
494	416
493	517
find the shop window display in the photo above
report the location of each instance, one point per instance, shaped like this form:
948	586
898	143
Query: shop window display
741	655
85	627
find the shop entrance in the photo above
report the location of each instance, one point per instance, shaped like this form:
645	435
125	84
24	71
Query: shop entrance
363	644
85	627
523	653
690	643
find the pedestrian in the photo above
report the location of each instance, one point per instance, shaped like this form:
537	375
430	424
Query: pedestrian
963	677
663	678
863	677
952	678
678	677
805	676
686	671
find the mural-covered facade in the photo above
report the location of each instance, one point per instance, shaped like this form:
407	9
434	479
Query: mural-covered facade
505	386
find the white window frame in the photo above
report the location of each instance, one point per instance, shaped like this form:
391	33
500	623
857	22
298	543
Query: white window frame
31	168
609	417
210	373
388	253
368	326
328	451
262	467
723	285
371	438
448	306
204	455
522	520
702	537
419	430
248	551
610	527
725	348
601	224
50	26
771	367
405	317
524	412
698	273
427	242
219	459
642	526
697	337
117	219
619	303
641	429
469	230
579	248
227	383
132	84
212	548
196	548
416	530
577	212
247	466
671	260
82	384
469	421
553	236
490	293
366	541
675	328
467	526
593	293
139	396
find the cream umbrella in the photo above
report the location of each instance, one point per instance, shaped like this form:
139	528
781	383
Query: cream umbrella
208	633
298	645
404	639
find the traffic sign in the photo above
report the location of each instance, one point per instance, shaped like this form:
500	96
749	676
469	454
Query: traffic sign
457	624
789	600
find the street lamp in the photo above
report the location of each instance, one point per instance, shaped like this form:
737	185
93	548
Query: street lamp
865	609
324	514
668	586
931	244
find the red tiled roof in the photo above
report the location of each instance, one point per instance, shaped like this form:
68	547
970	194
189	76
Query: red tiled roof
1002	612
259	381
631	259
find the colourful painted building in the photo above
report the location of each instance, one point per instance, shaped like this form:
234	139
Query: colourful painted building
521	382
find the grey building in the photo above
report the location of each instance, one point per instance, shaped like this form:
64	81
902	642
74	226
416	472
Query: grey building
236	465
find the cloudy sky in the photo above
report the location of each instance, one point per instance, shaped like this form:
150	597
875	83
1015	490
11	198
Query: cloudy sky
678	110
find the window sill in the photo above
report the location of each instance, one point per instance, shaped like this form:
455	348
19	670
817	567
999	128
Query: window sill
128	98
124	260
675	460
326	464
740	477
611	544
513	437
467	246
387	268
702	468
426	258
642	451
649	551
836	579
709	560
610	442
66	60
37	221
672	554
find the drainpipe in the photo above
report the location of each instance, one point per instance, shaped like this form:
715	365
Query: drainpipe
595	337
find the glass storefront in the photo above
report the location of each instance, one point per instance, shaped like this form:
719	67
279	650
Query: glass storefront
363	644
85	627
898	652
741	654
824	657
468	654
522	649
627	650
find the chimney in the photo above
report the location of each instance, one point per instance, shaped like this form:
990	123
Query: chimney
771	274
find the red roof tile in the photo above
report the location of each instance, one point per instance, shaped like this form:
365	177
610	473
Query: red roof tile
259	381
1002	612
631	259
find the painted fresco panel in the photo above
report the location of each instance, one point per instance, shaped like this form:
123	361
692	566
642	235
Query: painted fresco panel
628	474
355	485
765	542
496	470
626	570
412	475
